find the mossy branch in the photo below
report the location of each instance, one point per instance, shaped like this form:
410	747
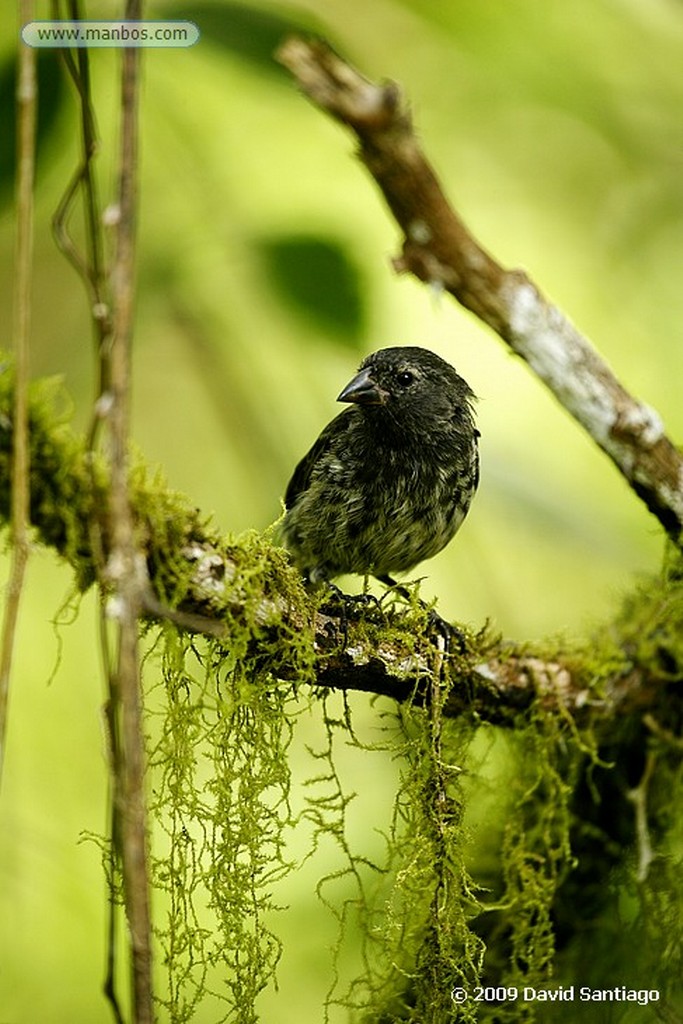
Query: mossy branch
207	584
438	248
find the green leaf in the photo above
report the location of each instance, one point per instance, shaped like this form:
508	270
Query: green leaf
317	277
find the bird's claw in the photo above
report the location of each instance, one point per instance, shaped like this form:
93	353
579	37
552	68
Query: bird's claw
346	602
349	600
451	635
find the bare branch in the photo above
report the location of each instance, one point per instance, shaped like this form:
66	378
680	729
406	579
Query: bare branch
638	797
125	569
91	267
438	248
26	120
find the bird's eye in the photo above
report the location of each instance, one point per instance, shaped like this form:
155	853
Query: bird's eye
405	378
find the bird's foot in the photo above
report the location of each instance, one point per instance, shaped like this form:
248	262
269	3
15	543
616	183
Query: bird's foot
347	601
343	606
453	638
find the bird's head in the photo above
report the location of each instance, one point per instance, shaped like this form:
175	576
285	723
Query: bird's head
409	386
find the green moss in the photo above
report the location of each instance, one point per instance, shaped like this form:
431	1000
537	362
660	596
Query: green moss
65	491
220	728
220	723
418	942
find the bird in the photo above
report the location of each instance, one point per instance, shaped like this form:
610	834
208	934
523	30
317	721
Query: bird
391	478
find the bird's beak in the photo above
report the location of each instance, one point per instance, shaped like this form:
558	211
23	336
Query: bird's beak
363	390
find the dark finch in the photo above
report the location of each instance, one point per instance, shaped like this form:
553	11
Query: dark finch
389	480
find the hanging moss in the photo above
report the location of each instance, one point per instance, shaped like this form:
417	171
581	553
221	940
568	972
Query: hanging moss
416	941
220	731
426	948
535	858
220	728
591	838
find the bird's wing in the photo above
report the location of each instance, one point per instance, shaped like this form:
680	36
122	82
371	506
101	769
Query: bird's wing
333	434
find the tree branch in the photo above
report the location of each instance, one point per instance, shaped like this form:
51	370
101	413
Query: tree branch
438	248
209	583
26	147
125	570
212	583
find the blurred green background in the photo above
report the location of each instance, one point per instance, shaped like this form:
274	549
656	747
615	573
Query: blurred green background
264	277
